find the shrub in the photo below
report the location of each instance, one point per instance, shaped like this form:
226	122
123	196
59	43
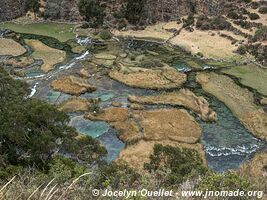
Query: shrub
92	11
225	182
247	1
255	5
190	20
134	9
263	10
242	50
216	23
177	164
105	35
253	16
234	15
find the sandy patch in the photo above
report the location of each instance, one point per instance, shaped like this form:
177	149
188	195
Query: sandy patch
183	97
50	56
239	100
10	47
72	85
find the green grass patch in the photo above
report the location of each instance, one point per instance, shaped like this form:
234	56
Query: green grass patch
60	31
250	75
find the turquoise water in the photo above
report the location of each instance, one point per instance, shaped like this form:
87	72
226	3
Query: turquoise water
93	129
227	142
181	67
102	132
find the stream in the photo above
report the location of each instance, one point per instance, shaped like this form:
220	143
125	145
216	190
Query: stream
227	143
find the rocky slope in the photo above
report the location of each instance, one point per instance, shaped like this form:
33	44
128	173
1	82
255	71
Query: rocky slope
10	9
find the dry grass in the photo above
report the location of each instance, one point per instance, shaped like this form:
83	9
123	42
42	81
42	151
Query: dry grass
138	154
72	85
10	47
239	100
50	56
168	124
151	79
75	104
183	97
202	41
157	31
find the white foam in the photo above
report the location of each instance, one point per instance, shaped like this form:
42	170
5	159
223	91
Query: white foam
33	90
82	56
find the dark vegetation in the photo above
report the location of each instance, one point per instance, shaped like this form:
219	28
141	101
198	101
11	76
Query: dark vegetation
32	5
263	10
134	9
216	23
174	165
92	11
32	131
253	16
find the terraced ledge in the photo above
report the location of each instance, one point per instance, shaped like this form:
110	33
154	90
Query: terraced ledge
10	47
166	78
161	124
76	104
72	85
183	97
48	55
239	100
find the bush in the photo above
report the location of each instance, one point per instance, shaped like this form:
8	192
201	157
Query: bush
105	35
217	23
255	5
242	50
225	182
134	9
253	16
247	1
189	21
234	15
177	164
263	10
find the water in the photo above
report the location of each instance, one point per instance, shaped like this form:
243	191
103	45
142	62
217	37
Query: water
227	142
102	132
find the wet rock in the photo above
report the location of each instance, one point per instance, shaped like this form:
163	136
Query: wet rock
84	73
72	85
183	97
116	104
166	78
